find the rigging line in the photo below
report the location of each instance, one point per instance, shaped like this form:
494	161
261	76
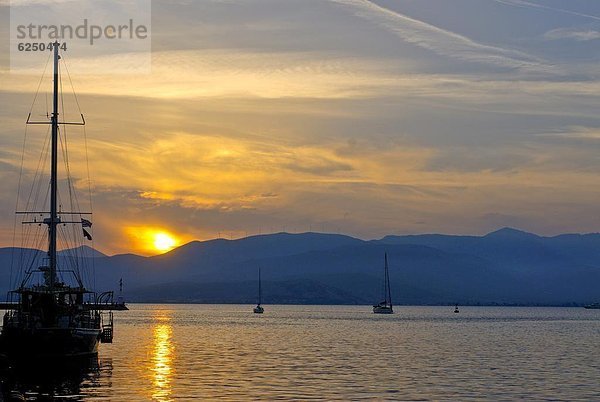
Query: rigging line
72	245
44	202
72	254
383	293
40	84
69	243
32	257
64	62
21	256
35	254
72	193
87	162
41	161
89	182
64	147
67	250
73	199
17	206
85	261
36	184
32	237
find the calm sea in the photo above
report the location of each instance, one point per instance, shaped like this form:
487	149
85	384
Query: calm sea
187	352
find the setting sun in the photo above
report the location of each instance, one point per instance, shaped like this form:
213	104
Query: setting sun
150	240
163	241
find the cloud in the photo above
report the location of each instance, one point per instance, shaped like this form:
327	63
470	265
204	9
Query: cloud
480	159
189	75
213	172
572	33
445	42
576	133
529	4
232	73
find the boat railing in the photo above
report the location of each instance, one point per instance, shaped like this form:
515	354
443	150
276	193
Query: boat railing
86	319
17	318
106	336
89	320
105	301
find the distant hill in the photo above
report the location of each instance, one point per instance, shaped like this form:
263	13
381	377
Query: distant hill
84	251
507	266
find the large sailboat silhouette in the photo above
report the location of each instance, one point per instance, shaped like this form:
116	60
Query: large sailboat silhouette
51	313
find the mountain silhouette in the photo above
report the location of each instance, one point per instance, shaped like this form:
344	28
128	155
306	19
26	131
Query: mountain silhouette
507	266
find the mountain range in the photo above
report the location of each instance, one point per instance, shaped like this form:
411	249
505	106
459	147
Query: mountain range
507	267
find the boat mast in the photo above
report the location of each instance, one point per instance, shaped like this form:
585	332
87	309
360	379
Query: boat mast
54	219
387	282
259	288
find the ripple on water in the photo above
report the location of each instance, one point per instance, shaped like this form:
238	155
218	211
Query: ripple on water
167	352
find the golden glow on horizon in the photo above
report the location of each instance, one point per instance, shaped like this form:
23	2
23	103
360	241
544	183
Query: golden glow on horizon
150	239
163	241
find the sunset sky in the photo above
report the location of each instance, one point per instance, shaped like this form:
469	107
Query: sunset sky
360	117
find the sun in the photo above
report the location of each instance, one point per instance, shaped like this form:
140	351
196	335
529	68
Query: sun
163	241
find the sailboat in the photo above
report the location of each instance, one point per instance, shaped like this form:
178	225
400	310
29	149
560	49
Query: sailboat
385	307
259	309
456	310
51	314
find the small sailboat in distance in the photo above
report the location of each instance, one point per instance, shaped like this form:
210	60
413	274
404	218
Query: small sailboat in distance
259	309
385	307
456	308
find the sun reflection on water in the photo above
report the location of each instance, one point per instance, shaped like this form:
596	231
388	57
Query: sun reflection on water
162	358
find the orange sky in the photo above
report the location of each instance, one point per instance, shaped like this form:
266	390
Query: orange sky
348	118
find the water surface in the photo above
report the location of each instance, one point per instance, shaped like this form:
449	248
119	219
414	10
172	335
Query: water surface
185	352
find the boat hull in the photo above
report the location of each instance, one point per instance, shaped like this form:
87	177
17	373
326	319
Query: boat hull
49	342
595	306
258	310
382	310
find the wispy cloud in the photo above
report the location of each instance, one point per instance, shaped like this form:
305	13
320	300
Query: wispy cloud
445	42
575	132
572	33
234	73
529	4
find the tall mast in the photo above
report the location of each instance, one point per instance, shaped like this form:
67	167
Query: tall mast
54	219
259	288
387	281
